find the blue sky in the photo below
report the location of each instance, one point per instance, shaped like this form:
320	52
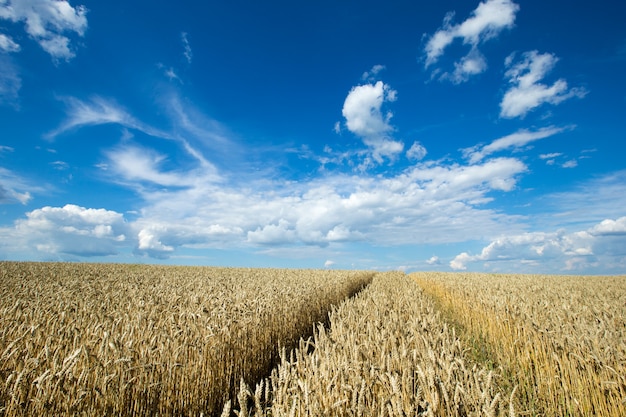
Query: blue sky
451	135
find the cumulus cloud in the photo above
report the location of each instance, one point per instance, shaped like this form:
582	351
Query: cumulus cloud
565	251
610	227
526	91
416	152
515	140
47	22
485	22
74	230
362	110
279	233
426	203
149	243
429	202
365	117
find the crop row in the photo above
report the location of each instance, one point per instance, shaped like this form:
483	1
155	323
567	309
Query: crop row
387	352
97	339
561	339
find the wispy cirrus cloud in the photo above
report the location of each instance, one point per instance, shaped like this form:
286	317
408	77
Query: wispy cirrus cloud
10	81
526	91
372	74
486	22
515	140
130	163
15	188
187	52
98	111
47	22
7	44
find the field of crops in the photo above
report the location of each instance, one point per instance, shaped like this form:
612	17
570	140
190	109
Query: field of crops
387	353
99	339
131	340
560	339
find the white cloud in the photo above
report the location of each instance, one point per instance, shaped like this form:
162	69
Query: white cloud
7	44
527	92
485	22
187	47
149	243
73	230
473	63
364	116
610	227
550	155
280	233
371	74
434	260
98	111
460	261
514	140
586	202
497	174
134	163
170	73
560	250
10	81
329	263
572	163
47	22
427	203
15	189
416	152
60	165
362	110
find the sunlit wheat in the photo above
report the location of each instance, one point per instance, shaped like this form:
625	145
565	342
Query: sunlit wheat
97	339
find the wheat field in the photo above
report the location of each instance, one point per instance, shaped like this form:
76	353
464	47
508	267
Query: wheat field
560	339
141	340
95	339
387	352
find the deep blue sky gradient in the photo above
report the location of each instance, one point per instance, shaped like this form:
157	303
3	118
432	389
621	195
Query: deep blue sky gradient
233	125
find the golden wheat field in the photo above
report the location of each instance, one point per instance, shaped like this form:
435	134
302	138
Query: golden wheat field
138	340
93	339
560	339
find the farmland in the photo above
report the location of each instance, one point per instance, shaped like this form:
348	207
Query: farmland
137	340
560	339
149	340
